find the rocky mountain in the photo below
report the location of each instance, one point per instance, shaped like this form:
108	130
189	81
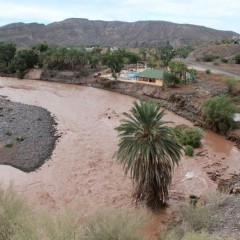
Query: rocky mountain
77	31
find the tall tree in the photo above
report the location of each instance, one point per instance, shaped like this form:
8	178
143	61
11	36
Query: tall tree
24	60
178	69
7	52
148	150
114	60
166	54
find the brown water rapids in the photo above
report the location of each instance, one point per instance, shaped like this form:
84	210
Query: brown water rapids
82	167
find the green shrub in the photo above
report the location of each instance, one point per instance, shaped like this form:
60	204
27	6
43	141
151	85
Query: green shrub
231	84
237	58
208	71
188	150
208	57
19	139
8	133
215	63
218	113
170	79
188	136
9	145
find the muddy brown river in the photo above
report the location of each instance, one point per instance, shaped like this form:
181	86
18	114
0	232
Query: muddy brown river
82	167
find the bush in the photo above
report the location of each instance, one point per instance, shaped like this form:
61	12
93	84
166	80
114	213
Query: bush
24	60
188	136
170	79
189	150
192	137
237	58
208	71
231	84
218	113
208	57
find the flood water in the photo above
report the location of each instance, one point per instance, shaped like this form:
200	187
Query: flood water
82	167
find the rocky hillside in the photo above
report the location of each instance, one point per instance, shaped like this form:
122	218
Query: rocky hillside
112	33
222	51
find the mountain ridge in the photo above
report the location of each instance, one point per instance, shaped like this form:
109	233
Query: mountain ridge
81	31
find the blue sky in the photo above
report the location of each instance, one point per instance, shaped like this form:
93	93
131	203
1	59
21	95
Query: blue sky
218	14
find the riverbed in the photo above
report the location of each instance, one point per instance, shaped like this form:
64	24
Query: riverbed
82	167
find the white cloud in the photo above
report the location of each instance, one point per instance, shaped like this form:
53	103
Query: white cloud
14	11
220	14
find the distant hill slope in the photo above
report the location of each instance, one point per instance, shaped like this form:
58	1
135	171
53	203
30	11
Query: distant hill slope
222	51
77	31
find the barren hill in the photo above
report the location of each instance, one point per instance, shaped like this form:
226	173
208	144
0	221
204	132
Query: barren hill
222	51
77	31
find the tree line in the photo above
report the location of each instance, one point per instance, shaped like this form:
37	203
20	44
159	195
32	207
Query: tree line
19	61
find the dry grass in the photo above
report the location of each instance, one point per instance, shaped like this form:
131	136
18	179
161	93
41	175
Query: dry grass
118	225
17	222
188	235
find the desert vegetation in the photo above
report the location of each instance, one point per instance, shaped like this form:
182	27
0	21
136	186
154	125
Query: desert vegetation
17	221
188	135
203	220
199	222
237	58
218	113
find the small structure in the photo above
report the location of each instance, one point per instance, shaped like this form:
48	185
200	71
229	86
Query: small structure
236	119
151	76
141	65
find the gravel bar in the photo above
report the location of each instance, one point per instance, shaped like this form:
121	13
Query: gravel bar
27	135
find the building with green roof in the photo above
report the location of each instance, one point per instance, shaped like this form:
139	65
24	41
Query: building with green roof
151	76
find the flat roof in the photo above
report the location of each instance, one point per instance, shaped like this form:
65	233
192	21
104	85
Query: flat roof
151	73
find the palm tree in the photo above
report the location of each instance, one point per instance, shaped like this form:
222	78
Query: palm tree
149	150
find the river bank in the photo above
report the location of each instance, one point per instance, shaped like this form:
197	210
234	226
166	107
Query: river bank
185	101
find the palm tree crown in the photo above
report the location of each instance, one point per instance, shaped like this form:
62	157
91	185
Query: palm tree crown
149	150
